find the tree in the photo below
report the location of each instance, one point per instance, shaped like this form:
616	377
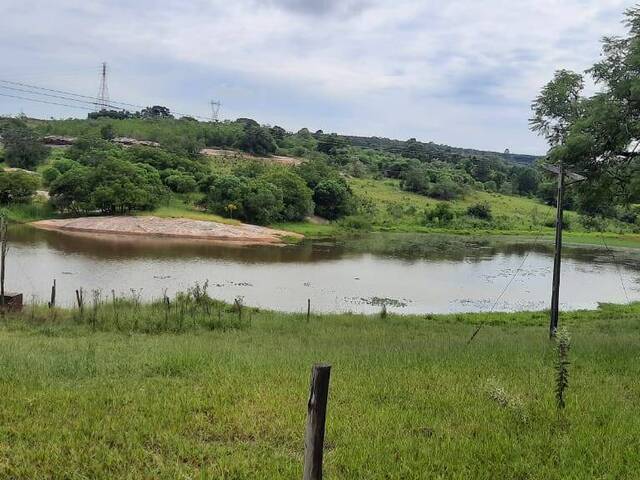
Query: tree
224	191
297	198
257	140
22	146
156	112
263	202
526	181
333	199
598	135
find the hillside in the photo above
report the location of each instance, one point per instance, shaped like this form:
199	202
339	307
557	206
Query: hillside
434	150
240	170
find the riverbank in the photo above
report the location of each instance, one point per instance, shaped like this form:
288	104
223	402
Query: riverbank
212	394
237	234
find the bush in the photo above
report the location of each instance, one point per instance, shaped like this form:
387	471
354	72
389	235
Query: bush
22	147
441	214
263	202
356	223
296	196
566	223
49	174
180	183
480	210
113	186
17	187
333	199
257	140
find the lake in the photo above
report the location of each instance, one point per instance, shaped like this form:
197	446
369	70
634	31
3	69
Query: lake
408	273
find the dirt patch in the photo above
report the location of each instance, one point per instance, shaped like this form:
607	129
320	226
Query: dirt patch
241	234
219	152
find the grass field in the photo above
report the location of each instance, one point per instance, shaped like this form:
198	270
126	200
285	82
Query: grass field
141	392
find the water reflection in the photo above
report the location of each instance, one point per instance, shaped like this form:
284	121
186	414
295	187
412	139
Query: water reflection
411	273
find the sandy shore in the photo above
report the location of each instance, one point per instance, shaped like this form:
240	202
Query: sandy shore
241	234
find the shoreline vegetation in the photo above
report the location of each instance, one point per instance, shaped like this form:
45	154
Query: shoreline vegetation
120	388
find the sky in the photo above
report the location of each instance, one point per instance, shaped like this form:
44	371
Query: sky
462	73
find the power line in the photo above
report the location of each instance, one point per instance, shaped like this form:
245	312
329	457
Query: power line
615	262
506	287
93	99
45	101
116	105
49	95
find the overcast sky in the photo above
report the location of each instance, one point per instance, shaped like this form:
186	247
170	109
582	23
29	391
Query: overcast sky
456	72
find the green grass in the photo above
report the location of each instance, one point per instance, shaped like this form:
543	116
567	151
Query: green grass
178	207
208	396
28	212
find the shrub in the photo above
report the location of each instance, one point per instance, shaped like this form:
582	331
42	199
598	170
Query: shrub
296	196
356	223
22	147
566	223
441	214
49	174
332	198
17	187
480	210
113	186
263	202
180	183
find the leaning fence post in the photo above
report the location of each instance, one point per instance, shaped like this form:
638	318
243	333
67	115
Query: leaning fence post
308	309
316	417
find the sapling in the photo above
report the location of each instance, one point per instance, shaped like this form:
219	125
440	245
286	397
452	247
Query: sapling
563	345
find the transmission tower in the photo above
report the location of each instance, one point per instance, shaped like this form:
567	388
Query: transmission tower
102	102
215	110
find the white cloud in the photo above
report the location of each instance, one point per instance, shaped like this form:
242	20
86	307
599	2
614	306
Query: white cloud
461	72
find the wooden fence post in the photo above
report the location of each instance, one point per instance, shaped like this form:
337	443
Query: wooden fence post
308	309
52	301
316	417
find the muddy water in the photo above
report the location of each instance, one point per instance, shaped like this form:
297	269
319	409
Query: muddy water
409	273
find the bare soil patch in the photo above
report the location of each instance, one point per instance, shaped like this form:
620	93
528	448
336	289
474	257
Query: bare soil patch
242	234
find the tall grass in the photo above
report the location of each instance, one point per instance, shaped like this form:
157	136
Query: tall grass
408	398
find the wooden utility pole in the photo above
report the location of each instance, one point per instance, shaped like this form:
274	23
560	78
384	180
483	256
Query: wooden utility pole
316	417
557	257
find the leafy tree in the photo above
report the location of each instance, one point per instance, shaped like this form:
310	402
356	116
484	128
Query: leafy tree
17	187
115	114
333	199
71	191
598	135
257	140
224	191
180	182
262	203
113	186
315	171
526	181
297	198
156	112
22	146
